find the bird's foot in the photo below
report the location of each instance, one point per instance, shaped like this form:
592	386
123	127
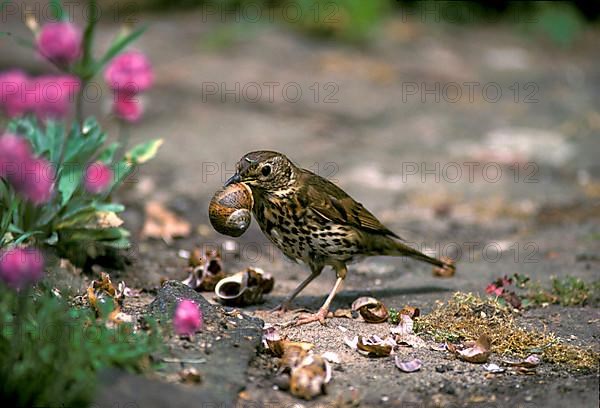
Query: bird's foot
284	308
312	317
280	309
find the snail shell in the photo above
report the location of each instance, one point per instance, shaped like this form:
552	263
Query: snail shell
230	209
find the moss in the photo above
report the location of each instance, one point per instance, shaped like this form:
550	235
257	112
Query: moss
467	316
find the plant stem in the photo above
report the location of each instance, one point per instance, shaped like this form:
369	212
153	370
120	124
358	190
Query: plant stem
88	35
79	105
87	72
124	136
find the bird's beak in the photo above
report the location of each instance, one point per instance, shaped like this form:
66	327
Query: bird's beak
233	179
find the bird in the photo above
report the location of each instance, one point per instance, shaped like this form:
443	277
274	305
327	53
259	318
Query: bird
313	221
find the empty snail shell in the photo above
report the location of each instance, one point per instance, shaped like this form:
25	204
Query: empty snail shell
230	209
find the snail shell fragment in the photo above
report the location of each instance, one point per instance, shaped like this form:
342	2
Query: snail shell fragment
230	209
244	288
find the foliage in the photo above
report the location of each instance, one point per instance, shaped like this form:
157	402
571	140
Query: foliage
350	20
567	291
53	352
77	220
72	220
519	291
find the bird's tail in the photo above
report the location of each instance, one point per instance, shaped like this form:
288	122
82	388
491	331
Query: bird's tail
394	247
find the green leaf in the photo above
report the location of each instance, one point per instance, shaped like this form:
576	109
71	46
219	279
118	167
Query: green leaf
95	235
52	239
58	13
82	145
27	235
70	179
108	154
121	243
14	229
81	217
122	169
144	151
117	46
112	207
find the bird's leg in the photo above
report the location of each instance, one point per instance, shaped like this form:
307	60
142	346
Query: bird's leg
324	310
285	305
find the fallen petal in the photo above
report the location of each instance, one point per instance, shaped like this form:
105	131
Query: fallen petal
493	368
439	347
332	357
411	340
352	343
531	361
409	366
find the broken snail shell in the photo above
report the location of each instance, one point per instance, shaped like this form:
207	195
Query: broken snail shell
371	309
230	209
244	288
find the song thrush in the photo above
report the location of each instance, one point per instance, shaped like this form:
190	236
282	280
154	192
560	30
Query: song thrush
310	219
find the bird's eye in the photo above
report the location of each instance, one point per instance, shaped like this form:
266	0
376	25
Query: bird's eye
266	170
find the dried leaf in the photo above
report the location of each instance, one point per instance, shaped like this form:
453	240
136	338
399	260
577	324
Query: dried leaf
108	219
163	224
371	309
408	366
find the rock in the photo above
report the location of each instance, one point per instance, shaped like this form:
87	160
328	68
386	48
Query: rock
220	352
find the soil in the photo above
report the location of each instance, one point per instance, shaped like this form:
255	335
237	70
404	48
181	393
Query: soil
538	218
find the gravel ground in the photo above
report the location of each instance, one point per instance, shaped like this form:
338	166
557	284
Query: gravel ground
441	173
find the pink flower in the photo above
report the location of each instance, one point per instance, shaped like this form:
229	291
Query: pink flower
14	151
130	72
12	96
54	95
188	318
60	42
48	96
98	177
492	288
34	180
127	107
21	267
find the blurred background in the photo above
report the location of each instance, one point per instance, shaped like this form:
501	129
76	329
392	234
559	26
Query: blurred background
453	122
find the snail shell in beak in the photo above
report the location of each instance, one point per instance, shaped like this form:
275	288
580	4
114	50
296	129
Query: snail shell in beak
230	209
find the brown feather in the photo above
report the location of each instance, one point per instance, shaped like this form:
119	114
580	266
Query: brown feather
334	204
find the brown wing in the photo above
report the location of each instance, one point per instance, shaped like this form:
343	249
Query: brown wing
333	204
